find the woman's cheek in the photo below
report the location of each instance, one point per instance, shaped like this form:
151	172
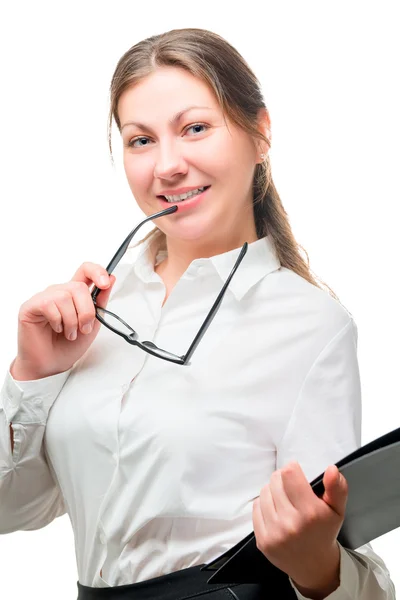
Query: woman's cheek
134	173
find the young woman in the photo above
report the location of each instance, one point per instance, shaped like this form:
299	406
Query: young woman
165	460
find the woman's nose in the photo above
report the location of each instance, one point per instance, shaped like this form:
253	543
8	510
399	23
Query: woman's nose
169	162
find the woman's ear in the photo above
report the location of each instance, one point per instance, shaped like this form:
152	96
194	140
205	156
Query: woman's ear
264	127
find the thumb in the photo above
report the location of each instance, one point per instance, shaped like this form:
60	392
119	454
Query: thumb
104	295
336	490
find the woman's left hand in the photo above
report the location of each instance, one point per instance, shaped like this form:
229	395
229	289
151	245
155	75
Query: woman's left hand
296	530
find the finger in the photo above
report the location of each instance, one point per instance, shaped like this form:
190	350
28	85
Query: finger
336	490
279	496
103	297
49	310
296	486
65	304
260	530
90	273
84	306
267	505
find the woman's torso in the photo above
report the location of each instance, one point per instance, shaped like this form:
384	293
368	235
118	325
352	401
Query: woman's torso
159	463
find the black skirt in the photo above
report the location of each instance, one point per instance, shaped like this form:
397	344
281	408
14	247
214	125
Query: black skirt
180	585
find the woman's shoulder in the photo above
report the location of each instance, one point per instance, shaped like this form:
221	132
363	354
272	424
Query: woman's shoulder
300	298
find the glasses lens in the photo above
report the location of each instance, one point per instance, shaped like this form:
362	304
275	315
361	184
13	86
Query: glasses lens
115	322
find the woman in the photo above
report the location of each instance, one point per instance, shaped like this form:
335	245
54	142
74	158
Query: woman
163	461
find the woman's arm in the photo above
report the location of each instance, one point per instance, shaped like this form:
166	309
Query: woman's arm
29	496
324	427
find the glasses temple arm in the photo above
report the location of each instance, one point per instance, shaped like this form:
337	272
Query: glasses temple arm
124	246
213	310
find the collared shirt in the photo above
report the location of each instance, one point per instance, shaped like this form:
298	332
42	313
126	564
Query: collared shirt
156	464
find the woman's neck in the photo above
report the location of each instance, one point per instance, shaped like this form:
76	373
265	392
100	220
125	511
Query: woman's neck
181	253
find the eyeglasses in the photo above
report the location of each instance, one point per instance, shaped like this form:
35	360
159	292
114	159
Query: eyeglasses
120	327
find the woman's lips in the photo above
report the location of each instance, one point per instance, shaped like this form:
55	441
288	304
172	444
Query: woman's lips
188	203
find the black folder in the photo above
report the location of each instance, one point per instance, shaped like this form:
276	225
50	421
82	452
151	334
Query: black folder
373	509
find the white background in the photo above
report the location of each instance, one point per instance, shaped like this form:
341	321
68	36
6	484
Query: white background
329	72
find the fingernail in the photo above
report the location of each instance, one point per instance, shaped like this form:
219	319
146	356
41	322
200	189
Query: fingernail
73	335
103	280
87	328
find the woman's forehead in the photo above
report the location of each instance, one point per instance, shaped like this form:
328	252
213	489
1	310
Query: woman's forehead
168	91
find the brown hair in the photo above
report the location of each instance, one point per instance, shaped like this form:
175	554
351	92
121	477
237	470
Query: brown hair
209	57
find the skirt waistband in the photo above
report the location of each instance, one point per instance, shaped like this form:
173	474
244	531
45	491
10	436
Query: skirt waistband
178	585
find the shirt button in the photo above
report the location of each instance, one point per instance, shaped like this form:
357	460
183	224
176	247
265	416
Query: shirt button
115	456
103	539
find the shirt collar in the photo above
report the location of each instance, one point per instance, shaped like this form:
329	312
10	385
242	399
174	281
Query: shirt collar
259	260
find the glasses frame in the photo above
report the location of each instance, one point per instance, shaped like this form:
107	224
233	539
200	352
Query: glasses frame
148	346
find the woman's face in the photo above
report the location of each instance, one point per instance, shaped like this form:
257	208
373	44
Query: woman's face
167	151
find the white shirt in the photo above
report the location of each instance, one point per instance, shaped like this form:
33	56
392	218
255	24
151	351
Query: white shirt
157	465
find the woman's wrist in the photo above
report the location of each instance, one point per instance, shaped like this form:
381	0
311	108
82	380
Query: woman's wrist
21	372
327	578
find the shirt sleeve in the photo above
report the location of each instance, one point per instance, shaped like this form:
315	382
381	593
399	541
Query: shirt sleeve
325	426
30	498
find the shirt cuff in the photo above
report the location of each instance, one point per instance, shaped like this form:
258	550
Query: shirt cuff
349	577
30	401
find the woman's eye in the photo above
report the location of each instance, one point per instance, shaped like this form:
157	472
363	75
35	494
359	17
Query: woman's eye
197	125
132	142
139	139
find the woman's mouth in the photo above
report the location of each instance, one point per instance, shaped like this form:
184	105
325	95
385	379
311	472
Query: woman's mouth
186	203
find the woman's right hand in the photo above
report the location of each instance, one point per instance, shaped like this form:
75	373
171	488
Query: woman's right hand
57	326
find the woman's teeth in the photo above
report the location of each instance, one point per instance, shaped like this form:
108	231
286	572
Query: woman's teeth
185	196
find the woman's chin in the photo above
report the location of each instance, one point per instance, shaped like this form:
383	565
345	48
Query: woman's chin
190	229
193	238
192	232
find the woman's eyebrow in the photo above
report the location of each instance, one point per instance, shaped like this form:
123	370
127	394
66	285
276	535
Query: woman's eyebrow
172	121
